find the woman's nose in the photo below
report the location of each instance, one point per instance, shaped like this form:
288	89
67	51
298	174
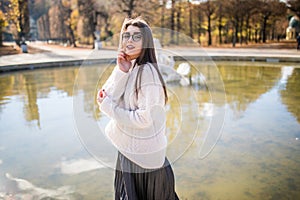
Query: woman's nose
130	40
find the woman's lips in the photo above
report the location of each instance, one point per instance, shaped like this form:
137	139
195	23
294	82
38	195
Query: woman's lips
130	47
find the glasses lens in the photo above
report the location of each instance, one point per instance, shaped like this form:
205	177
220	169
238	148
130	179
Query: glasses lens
136	37
125	36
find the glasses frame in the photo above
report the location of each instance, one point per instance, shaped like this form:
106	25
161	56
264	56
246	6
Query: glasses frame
133	38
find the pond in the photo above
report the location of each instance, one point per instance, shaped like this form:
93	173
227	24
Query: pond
48	149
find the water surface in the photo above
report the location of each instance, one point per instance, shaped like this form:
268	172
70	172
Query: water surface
257	156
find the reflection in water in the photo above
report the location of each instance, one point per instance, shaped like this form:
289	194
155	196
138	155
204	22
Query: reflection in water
244	85
79	165
28	87
33	192
292	87
286	72
256	158
31	109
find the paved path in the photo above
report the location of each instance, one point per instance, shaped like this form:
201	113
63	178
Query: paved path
58	55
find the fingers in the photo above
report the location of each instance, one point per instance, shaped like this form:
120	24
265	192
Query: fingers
126	56
123	61
120	58
123	56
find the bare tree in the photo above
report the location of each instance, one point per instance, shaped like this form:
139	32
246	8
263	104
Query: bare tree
234	12
162	21
220	16
190	10
172	21
86	12
178	24
250	11
199	21
269	8
209	10
18	14
23	18
57	25
136	7
4	7
67	10
127	6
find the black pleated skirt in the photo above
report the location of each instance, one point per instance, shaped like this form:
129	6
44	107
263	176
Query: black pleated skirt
133	182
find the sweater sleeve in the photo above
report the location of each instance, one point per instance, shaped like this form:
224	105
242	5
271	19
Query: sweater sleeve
150	103
115	84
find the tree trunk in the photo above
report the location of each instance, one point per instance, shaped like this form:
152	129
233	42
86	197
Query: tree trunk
247	29
220	30
172	21
69	27
241	31
190	18
264	29
130	8
255	35
72	36
209	29
178	24
23	19
226	34
1	39
273	31
235	32
106	28
199	36
199	26
162	22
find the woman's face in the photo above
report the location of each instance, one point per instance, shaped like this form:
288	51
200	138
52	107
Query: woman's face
132	40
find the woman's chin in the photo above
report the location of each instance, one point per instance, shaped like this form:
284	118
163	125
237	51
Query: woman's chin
134	53
131	56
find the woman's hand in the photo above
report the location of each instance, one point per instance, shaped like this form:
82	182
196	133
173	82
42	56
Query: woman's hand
100	96
123	61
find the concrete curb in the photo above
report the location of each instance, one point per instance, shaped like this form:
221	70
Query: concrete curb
42	65
65	63
241	58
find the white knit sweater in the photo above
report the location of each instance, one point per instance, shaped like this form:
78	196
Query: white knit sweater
138	122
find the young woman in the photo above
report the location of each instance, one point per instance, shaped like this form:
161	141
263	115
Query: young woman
134	97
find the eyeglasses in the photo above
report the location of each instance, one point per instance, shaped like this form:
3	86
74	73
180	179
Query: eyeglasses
136	36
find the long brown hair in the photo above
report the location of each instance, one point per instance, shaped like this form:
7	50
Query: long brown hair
147	53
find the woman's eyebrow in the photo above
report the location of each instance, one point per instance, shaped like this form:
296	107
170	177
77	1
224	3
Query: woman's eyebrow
133	32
